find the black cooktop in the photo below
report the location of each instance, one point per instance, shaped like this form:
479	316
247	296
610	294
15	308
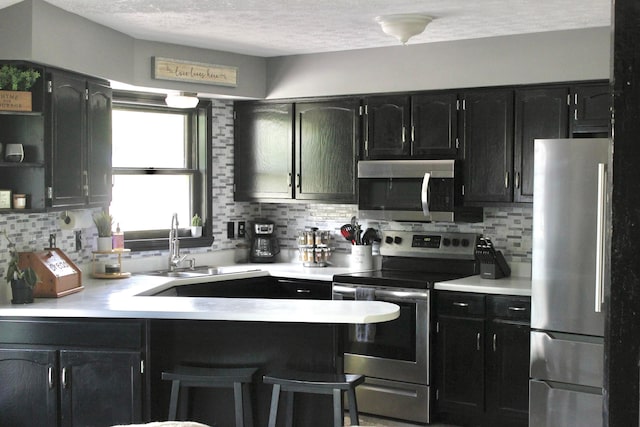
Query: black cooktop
396	279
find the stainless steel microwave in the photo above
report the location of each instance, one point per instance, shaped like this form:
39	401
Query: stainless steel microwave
413	190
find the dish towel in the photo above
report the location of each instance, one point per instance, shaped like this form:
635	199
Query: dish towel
365	332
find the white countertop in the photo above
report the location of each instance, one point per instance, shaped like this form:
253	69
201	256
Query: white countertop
130	298
505	286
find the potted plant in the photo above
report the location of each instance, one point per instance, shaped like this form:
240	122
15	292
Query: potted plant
104	222
196	226
22	280
15	84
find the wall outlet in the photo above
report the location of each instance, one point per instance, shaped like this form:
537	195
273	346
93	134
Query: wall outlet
241	229
231	230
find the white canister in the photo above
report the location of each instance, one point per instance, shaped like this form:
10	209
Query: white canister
361	258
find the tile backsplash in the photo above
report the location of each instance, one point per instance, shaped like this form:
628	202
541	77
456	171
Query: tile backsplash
509	227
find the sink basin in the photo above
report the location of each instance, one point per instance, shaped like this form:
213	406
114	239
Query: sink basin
196	272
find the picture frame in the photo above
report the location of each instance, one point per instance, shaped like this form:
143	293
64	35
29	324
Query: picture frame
5	199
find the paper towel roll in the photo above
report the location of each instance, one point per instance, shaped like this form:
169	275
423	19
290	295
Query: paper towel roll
73	220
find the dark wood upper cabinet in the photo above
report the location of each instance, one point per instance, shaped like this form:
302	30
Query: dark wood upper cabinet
387	127
263	156
99	143
305	151
79	136
67	130
419	126
488	142
591	109
326	147
434	125
541	113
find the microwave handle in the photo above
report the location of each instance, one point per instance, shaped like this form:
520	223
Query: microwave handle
424	195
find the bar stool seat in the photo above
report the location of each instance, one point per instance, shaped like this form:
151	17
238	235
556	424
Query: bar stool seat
237	378
315	383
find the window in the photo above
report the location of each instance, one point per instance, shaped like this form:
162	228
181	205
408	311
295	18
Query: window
160	166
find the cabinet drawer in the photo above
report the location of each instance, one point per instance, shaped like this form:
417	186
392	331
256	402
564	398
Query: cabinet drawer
460	304
113	333
509	307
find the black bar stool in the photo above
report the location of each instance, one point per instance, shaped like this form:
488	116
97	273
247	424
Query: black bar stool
237	378
307	382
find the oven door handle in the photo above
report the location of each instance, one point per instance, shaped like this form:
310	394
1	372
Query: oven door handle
385	294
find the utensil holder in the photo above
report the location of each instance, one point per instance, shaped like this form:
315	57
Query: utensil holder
361	258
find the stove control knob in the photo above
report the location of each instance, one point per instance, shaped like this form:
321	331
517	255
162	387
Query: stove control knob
446	241
456	242
397	240
465	243
388	240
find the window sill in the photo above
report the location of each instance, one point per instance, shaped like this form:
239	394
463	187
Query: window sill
140	245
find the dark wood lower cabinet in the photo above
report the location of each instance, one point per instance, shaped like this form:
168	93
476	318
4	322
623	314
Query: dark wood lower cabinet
482	359
27	397
100	387
70	373
507	383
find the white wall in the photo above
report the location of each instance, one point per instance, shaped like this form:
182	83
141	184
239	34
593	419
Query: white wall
531	58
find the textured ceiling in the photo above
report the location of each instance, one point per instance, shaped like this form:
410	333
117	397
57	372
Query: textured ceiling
289	27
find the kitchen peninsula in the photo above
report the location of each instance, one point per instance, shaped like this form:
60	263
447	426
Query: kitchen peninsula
106	346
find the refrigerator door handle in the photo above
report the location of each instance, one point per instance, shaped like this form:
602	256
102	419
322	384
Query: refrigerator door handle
600	236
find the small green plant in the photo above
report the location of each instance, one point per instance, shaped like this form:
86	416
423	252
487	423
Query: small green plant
104	223
196	221
13	78
14	272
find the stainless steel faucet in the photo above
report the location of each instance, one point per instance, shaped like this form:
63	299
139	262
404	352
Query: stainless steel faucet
174	246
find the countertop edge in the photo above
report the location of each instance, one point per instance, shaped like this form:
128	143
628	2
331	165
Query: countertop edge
517	286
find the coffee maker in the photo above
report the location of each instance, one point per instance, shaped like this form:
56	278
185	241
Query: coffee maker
264	244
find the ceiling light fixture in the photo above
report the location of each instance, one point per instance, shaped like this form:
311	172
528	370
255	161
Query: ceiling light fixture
181	100
404	26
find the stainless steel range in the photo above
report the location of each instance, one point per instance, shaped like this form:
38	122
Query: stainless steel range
395	356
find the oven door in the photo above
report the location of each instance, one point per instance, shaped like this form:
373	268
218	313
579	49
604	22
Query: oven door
397	350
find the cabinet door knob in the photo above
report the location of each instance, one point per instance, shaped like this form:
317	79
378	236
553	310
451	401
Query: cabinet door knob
506	180
494	343
478	341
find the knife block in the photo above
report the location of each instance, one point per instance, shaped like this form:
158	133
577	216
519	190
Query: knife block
496	269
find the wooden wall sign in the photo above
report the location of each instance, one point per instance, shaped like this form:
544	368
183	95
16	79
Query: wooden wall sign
11	100
194	72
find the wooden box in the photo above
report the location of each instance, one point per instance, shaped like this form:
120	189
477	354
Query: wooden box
58	275
11	100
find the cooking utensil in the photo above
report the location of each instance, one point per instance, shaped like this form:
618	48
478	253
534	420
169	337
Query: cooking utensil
369	236
347	232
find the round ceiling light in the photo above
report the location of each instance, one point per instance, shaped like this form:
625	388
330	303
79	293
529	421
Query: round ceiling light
181	100
404	26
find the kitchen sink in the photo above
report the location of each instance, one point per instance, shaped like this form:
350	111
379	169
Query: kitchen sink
196	272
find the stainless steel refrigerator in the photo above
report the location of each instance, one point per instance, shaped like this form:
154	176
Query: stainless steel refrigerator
570	269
